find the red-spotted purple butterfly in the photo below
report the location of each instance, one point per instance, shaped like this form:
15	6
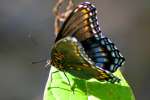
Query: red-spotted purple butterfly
81	48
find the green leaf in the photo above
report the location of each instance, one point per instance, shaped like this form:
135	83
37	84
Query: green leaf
59	89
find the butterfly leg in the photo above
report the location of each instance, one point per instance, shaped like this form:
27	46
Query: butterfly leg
51	76
68	81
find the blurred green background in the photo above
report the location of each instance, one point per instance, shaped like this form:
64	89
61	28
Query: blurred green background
27	34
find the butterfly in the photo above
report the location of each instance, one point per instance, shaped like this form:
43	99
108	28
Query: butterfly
81	48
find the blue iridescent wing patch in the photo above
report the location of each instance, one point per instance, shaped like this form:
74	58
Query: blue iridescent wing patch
82	25
104	53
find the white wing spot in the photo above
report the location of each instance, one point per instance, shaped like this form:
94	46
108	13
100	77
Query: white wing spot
90	20
94	31
113	54
112	67
84	6
92	25
90	14
109	41
87	2
80	6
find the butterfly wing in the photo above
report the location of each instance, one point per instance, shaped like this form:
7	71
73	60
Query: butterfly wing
79	21
68	55
83	25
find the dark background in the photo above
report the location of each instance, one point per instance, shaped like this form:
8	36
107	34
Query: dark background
27	34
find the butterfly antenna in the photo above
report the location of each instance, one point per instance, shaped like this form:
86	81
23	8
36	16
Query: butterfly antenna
47	65
40	61
51	75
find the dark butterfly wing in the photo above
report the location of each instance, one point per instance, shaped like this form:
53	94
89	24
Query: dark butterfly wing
68	55
82	24
104	53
